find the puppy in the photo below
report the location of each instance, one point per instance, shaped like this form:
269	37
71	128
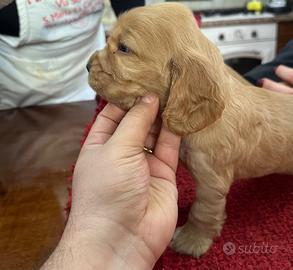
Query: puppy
231	130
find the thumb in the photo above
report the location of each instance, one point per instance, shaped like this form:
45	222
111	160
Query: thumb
136	124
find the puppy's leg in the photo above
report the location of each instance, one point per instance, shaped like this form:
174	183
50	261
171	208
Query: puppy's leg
206	216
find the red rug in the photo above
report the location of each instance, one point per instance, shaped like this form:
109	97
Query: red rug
258	233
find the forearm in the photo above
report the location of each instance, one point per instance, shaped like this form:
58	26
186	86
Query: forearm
75	258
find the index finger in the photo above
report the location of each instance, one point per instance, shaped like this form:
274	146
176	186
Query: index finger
285	73
277	87
105	125
136	124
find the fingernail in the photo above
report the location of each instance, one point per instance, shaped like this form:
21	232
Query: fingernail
148	99
259	82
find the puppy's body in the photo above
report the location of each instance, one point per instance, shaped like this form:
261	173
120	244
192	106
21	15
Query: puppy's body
264	146
231	130
230	149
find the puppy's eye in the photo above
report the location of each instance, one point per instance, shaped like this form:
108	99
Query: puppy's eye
123	48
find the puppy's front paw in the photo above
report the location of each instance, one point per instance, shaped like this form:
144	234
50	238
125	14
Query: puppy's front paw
190	242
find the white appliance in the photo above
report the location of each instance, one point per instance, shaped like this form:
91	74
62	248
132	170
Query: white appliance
243	46
206	4
277	4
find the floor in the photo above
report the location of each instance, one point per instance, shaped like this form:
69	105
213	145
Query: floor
38	146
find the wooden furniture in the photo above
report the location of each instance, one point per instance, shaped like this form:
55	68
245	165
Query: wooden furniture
38	145
285	33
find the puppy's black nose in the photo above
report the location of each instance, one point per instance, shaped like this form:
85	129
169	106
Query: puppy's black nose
88	66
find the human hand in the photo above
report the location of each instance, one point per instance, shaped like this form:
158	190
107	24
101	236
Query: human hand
286	74
124	204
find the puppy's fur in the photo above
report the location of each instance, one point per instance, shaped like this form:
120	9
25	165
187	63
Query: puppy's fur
231	130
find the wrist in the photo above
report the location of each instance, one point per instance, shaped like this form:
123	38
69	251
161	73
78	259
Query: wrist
103	246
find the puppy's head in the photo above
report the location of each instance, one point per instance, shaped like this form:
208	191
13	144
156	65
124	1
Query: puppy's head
159	49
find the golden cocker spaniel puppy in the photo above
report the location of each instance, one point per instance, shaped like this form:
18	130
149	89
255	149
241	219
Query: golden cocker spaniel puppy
231	130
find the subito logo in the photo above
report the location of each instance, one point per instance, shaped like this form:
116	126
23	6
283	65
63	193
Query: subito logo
229	248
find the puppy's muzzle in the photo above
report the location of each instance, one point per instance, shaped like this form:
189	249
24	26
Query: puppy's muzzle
90	61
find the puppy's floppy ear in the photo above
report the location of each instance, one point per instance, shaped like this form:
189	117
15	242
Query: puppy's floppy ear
196	97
